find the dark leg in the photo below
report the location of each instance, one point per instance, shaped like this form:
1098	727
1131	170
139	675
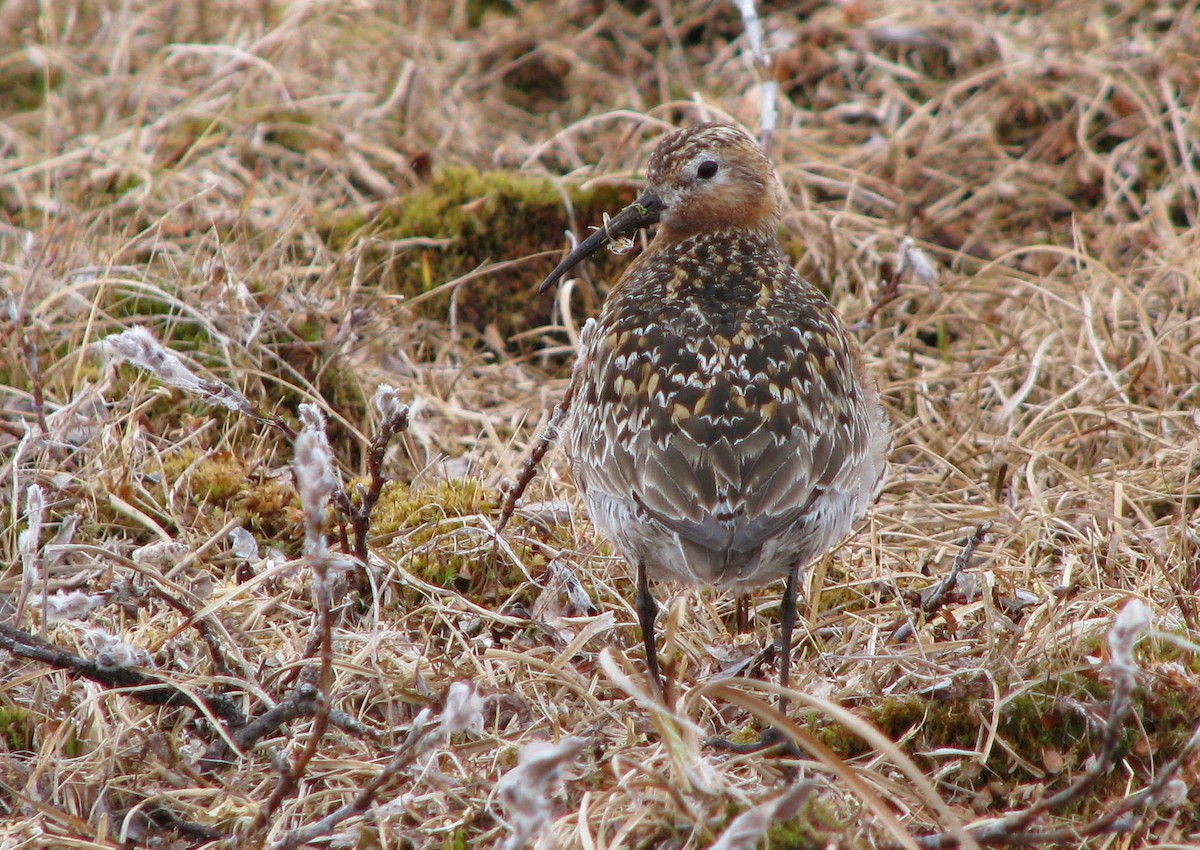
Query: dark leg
647	610
787	621
743	613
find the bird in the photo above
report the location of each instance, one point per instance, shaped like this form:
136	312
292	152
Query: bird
723	428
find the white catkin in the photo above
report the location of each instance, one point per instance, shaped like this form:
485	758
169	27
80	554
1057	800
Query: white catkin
770	111
139	347
528	789
463	711
917	261
768	88
1175	794
32	437
29	544
67	605
163	554
112	653
29	541
387	402
425	734
1131	623
753	25
315	476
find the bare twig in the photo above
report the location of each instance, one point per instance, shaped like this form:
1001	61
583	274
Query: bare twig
530	468
933	599
415	743
394	421
301	702
143	687
164	818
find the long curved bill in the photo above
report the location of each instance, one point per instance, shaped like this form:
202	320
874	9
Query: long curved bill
641	213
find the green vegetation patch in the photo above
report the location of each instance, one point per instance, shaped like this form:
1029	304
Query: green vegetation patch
1055	726
425	524
17	727
484	217
225	484
24	86
810	830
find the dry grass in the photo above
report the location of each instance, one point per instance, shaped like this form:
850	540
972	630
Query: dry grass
220	172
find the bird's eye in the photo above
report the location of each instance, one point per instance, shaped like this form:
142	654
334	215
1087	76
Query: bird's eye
707	169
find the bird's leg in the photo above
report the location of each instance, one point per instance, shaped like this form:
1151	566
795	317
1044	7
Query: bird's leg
772	736
647	610
787	621
742	622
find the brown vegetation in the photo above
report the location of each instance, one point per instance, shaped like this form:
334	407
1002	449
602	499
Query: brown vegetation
308	201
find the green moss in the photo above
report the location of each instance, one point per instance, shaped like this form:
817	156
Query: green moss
17	727
1037	720
24	87
486	217
341	390
1040	718
227	484
309	328
420	520
404	509
809	830
290	129
162	312
478	10
215	479
422	516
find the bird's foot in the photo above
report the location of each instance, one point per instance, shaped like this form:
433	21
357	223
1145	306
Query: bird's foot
771	740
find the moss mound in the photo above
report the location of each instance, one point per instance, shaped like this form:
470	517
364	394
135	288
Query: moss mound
481	225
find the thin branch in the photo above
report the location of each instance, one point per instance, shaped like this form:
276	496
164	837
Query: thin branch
143	687
395	419
413	745
933	599
530	468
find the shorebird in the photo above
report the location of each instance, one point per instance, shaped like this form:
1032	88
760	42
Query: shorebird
723	428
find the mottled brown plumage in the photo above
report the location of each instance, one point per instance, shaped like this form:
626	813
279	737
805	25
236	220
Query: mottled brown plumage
724	428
